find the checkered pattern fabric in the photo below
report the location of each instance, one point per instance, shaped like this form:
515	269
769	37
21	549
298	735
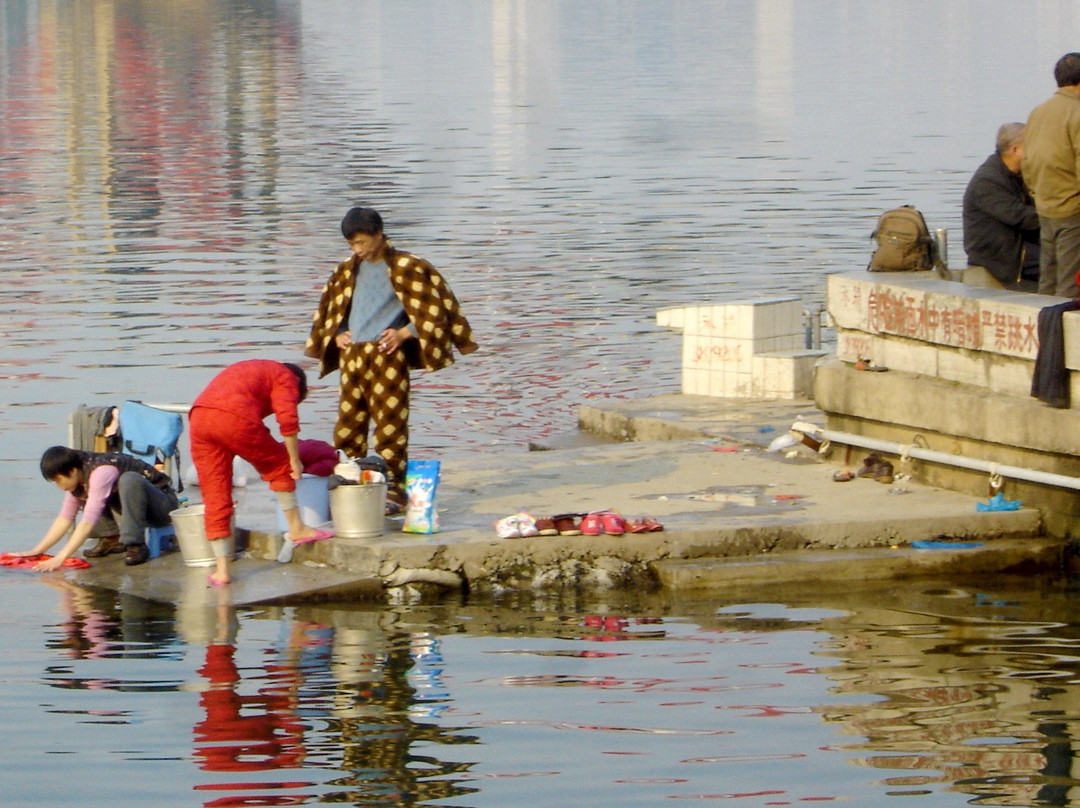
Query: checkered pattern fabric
375	388
426	297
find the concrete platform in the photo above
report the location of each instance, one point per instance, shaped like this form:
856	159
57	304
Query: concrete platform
733	513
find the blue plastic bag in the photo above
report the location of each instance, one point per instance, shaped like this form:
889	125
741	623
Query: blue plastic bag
998	503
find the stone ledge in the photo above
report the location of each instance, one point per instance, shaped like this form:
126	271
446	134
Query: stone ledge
920	306
923	404
998	557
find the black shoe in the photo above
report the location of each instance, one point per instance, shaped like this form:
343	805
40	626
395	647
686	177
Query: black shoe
106	545
137	554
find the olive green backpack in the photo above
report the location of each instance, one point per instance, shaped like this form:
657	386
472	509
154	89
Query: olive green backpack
904	242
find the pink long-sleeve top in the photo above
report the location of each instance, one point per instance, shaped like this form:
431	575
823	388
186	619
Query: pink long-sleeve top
98	488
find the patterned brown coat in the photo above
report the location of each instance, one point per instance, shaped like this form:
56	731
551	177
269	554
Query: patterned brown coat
426	297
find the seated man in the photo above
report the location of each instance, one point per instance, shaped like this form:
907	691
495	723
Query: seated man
136	493
1001	226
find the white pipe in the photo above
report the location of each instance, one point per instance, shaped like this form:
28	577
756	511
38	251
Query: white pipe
911	450
182	409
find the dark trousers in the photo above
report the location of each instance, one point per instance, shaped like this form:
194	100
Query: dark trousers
142	505
1059	258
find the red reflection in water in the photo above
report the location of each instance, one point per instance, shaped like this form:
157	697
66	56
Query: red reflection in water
260	732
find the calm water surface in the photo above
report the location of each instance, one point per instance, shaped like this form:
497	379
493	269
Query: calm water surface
172	175
929	694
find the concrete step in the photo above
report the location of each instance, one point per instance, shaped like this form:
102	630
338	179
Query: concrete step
993	557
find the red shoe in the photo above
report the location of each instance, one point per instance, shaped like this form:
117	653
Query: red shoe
614	525
591	524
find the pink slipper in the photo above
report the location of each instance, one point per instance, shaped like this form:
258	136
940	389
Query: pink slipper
591	524
320	535
613	524
210	579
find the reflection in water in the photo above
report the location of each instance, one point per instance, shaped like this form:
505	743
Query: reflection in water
312	712
833	697
969	698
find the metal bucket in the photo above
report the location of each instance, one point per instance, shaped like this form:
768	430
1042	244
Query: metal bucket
191	536
359	511
314	500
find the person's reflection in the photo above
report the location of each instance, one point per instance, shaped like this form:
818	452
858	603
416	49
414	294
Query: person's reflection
87	631
249	732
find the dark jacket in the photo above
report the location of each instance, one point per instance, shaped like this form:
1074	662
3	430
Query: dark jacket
1050	380
999	220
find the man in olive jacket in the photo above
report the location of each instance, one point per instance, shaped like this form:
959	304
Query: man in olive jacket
1050	168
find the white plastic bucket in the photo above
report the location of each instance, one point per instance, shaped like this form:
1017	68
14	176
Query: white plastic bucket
359	511
313	497
191	536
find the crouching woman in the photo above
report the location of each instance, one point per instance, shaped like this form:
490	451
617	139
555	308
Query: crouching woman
137	495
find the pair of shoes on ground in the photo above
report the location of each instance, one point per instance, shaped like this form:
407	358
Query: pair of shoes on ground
593	523
517	526
599	523
524	525
610	523
106	545
596	523
645	524
134	554
877	468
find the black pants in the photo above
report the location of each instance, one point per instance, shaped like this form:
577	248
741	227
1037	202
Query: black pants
142	505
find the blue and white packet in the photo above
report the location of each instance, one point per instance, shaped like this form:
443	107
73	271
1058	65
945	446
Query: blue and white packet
421	489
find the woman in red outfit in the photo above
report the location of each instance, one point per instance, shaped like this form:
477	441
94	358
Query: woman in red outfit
226	421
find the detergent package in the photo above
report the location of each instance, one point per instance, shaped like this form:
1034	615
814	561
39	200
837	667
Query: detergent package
421	485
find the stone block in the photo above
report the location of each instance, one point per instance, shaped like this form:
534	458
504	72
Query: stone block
1010	377
752	321
851	346
966	367
715	353
672	318
1071	324
692	353
739	385
1009	326
777	320
907	355
784	375
939	312
705	321
695	381
718	384
846	301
